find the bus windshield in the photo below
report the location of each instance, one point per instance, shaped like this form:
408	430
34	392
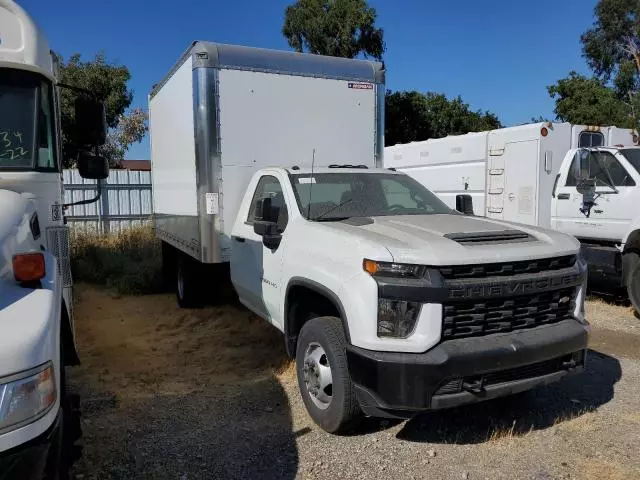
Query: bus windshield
27	128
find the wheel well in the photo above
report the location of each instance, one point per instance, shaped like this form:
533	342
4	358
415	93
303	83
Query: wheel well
304	303
66	339
632	245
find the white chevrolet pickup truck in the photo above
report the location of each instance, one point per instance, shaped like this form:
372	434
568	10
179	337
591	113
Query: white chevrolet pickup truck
393	304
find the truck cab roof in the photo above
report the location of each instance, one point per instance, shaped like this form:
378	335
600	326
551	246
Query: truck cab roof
295	170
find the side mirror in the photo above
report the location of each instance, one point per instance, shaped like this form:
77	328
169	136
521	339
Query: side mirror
92	166
90	121
464	204
271	237
262	209
582	167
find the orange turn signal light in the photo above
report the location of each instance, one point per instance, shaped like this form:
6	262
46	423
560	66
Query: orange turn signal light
370	266
28	267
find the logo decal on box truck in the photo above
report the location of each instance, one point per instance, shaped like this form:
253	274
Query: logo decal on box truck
361	85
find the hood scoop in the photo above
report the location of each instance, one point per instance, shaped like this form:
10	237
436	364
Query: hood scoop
487	238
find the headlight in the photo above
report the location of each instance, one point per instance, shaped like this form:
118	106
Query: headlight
388	269
397	318
25	398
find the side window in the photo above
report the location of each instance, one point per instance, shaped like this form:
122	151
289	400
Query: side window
46	148
605	168
590	139
269	187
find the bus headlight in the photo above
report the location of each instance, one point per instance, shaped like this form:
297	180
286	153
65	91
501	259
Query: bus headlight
24	398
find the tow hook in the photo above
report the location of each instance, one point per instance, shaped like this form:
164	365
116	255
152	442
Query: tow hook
476	386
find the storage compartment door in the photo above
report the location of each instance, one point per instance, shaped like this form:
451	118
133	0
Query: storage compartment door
521	174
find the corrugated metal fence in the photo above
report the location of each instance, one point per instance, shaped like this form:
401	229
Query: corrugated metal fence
125	200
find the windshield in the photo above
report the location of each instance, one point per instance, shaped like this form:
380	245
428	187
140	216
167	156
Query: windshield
336	196
633	157
26	122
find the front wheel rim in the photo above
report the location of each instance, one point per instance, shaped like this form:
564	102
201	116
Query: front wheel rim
317	375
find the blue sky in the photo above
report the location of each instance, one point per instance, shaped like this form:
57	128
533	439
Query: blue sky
499	55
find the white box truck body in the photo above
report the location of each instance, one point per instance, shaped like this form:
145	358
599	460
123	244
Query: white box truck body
225	111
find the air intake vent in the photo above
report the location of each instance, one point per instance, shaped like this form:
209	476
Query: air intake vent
484	238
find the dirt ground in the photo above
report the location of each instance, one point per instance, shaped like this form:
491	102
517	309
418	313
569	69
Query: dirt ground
186	394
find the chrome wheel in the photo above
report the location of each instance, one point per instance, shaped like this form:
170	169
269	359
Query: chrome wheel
317	375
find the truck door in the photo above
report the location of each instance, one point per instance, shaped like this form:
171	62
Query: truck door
614	207
255	269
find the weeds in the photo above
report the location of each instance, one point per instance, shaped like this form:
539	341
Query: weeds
129	261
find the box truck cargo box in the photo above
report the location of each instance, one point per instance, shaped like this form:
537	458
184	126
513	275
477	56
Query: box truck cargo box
225	111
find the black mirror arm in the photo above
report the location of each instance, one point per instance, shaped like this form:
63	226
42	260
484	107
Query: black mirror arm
86	202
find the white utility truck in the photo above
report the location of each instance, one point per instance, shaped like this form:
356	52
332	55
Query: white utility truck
527	174
391	302
36	316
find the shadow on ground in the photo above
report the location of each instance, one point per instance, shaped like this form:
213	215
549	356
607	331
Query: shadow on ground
516	415
240	432
215	410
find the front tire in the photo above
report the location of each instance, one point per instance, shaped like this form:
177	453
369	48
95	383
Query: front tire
633	281
323	376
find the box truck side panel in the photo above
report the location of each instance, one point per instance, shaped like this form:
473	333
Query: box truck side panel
173	160
287	117
622	136
447	166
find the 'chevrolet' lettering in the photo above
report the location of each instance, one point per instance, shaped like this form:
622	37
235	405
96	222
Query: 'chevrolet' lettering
516	287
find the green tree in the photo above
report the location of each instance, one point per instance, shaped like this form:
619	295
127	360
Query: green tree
339	28
107	81
588	101
131	128
414	116
611	48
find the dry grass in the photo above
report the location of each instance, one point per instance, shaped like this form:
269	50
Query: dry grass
129	261
596	468
140	345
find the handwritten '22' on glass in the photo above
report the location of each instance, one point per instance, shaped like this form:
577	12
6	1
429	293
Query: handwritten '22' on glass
11	146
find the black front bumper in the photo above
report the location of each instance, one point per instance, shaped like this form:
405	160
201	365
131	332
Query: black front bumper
36	459
467	370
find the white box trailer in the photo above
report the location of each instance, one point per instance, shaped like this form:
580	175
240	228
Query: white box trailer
508	172
225	111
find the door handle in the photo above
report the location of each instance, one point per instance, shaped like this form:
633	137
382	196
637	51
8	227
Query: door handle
563	196
239	239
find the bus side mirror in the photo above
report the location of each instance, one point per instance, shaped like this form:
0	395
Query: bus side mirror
90	121
464	204
92	166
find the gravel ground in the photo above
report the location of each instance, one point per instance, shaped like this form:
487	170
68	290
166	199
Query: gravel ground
168	393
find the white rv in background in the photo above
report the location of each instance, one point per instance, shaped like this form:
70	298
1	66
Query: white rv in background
530	174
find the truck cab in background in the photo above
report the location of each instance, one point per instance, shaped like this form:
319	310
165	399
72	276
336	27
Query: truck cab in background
36	307
596	199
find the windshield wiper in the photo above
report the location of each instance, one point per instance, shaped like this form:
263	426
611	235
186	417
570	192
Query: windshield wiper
323	214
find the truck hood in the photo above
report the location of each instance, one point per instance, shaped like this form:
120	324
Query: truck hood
457	239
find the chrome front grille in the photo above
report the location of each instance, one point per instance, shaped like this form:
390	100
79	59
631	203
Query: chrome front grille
58	244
